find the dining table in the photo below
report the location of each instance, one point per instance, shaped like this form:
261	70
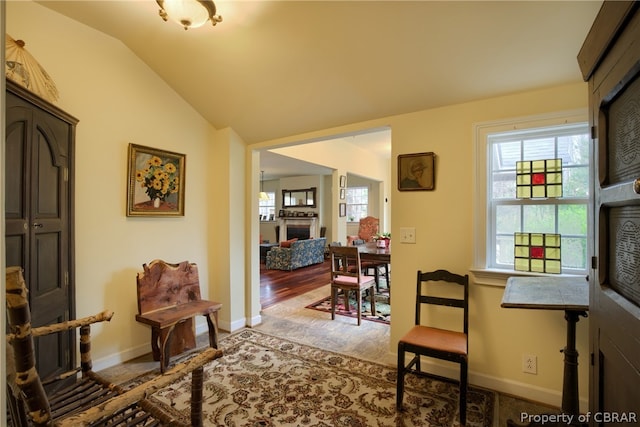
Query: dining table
371	252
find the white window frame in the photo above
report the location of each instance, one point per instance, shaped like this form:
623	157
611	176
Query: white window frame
349	205
494	276
263	205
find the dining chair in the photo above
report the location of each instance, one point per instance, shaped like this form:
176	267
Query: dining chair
435	289
367	229
346	276
379	269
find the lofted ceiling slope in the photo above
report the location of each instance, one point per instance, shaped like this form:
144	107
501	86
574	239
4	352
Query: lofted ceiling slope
278	68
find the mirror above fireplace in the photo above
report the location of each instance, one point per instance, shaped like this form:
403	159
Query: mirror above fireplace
300	198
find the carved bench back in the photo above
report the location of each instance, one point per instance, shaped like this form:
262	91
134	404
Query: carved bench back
163	285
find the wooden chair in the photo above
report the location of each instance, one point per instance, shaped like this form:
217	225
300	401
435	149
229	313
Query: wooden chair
379	268
434	342
367	229
89	400
168	300
346	275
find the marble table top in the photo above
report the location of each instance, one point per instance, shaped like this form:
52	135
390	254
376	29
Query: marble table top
549	293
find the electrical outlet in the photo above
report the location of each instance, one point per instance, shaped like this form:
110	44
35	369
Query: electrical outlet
530	364
407	234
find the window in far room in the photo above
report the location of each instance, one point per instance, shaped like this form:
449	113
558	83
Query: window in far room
267	208
357	203
499	214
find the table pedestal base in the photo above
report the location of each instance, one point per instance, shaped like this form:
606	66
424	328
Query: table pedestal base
570	396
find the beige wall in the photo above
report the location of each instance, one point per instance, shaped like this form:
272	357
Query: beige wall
119	100
444	223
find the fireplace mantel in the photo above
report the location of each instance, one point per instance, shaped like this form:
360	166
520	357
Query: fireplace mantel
311	222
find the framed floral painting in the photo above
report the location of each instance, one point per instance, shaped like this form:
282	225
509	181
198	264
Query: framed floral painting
156	182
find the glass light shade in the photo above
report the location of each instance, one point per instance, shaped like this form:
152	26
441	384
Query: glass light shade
189	13
263	196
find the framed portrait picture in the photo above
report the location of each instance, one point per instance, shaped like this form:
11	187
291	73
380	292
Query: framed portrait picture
342	193
156	182
416	172
343	181
343	209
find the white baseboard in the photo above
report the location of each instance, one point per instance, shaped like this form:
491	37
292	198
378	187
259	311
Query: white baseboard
255	321
121	357
503	385
227	326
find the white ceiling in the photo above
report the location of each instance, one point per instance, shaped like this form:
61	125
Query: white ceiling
276	165
278	68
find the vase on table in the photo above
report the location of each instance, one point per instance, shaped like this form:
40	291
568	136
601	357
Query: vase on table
156	202
383	242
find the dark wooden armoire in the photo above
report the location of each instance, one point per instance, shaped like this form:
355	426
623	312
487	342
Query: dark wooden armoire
610	62
39	155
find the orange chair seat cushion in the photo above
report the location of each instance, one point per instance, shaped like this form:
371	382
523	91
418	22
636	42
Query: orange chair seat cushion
440	339
352	280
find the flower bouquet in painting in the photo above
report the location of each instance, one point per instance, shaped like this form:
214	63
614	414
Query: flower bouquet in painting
156	182
159	180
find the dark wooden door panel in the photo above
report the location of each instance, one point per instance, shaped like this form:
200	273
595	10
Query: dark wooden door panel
610	60
49	291
16	183
15	248
621	397
52	352
38	214
624	243
49	170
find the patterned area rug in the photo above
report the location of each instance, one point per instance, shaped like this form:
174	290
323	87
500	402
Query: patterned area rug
264	380
383	308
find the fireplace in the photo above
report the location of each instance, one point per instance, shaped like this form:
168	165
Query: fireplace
299	232
302	228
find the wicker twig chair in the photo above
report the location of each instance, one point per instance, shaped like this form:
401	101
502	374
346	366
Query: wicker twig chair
90	400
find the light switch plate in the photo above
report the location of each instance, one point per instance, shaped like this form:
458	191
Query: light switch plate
407	234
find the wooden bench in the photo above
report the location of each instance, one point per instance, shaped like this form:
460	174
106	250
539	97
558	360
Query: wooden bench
168	301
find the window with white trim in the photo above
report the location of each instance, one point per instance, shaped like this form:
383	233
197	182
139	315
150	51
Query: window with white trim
357	203
267	208
498	150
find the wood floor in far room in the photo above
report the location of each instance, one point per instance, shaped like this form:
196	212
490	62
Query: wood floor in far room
280	285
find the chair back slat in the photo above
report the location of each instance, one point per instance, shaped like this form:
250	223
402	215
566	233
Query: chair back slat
345	261
423	297
448	302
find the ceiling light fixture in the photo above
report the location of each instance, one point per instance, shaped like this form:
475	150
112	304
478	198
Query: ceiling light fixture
263	195
189	13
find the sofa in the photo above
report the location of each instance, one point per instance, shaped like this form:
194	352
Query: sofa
300	253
